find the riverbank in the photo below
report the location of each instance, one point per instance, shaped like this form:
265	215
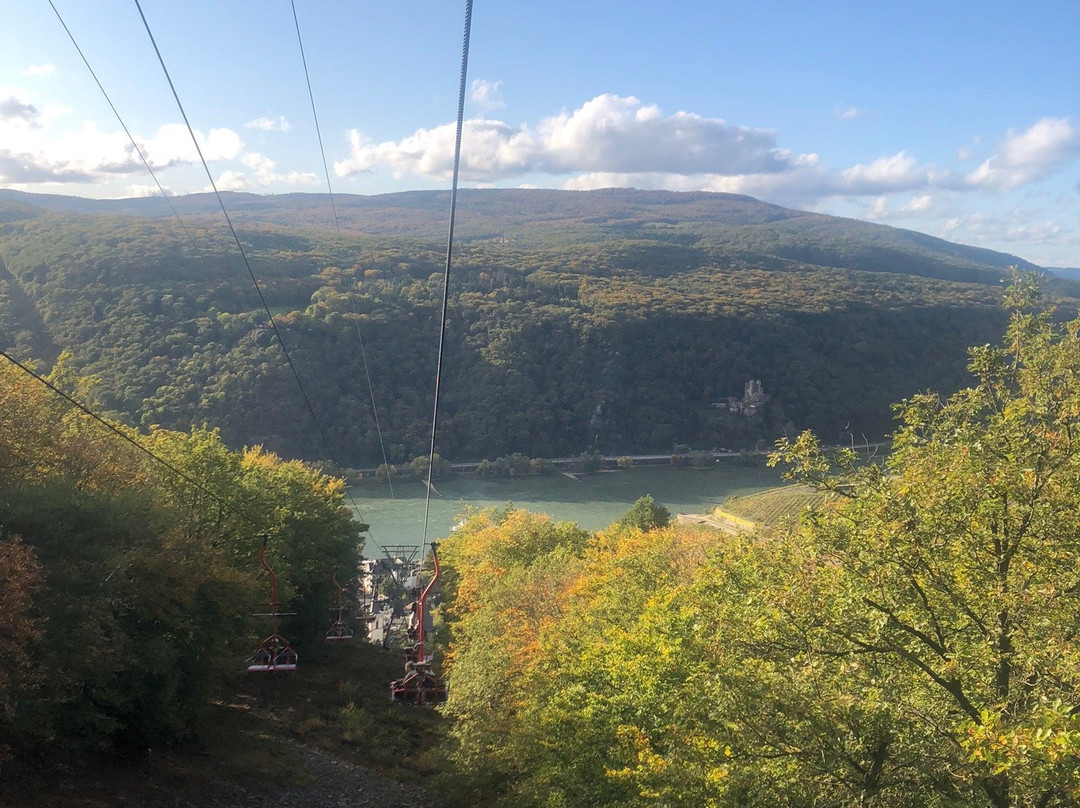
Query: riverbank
597	462
592	501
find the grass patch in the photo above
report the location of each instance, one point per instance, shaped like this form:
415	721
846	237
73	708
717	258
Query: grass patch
776	506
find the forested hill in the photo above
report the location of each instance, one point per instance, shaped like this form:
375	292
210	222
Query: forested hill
607	320
718	226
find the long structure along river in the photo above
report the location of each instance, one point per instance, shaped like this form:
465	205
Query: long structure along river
593	501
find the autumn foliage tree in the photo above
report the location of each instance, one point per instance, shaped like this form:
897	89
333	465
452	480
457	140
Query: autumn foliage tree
126	597
20	579
912	643
961	570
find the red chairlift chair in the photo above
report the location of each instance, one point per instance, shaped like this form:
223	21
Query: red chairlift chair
420	685
274	653
338	631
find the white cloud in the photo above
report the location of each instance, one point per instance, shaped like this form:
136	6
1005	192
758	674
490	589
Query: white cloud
981	228
917	204
266	171
28	155
879	209
898	172
896	168
230	181
263	173
609	133
847	113
265	124
607	141
40	70
15	108
1038	232
37	146
495	150
258	163
220	144
1029	156
968	150
615	140
172	145
485	94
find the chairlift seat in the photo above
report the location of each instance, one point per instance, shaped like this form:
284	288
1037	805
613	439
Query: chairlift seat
419	686
338	632
273	654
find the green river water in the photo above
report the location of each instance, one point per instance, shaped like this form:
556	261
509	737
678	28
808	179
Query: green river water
593	501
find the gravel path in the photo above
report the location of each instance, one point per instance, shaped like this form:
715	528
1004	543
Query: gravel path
335	783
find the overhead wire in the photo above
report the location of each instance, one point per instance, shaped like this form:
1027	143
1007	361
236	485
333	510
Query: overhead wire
115	430
315	115
176	214
247	263
449	255
375	411
74	402
99	419
236	237
337	226
123	125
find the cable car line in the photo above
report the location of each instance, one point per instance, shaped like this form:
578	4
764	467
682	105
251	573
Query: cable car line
375	410
449	253
236	238
280	654
187	232
152	173
118	118
112	428
337	226
315	115
420	685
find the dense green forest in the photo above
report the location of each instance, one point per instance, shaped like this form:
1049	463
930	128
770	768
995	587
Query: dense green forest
127	585
910	643
607	320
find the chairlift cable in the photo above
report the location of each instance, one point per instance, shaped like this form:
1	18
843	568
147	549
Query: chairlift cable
187	232
236	238
420	685
375	410
315	115
112	428
337	226
123	125
449	253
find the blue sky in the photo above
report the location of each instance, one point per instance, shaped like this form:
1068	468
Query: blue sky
959	119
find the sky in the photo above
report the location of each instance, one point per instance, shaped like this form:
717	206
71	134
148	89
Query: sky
958	119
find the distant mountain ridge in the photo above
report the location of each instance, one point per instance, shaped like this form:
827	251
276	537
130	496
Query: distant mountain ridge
613	320
515	214
1073	273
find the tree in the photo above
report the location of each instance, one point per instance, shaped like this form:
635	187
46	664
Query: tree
20	579
123	599
646	514
912	643
960	569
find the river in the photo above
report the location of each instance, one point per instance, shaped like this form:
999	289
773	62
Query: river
593	500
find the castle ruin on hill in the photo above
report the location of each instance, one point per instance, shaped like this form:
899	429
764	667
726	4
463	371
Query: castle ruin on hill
750	404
